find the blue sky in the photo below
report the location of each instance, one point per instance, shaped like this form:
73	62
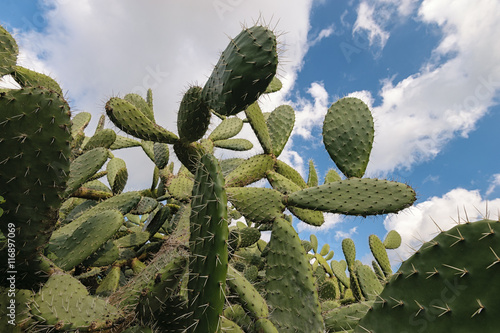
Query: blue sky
429	70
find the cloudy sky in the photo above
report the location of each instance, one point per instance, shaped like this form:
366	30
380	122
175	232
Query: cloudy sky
429	70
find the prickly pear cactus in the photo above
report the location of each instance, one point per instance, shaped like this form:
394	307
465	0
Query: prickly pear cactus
185	253
447	285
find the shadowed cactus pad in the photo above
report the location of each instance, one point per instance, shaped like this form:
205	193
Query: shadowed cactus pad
193	117
244	71
446	286
34	164
8	52
65	304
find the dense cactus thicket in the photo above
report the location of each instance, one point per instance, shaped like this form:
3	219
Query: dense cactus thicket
185	254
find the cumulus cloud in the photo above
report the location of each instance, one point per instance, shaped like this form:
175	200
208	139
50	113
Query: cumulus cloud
97	50
310	114
450	93
366	22
495	182
331	221
424	221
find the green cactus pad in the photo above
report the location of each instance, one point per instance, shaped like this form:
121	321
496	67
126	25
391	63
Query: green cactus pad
258	124
145	206
446	286
392	240
84	167
104	256
355	196
161	155
193	117
8	52
380	254
117	174
76	241
264	325
237	314
368	282
249	236
141	105
339	271
286	186
292	297
332	176
257	204
133	239
228	128
189	154
274	86
280	125
124	142
312	179
314	242
249	297
34	163
110	283
285	170
65	304
234	144
348	133
228	165
230	326
250	171
28	78
329	290
103	138
79	122
181	187
346	318
243	72
349	250
157	219
208	243
132	121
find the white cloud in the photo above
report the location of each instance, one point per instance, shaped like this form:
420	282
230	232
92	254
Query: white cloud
331	220
450	93
495	182
309	115
325	33
367	22
420	223
342	235
97	50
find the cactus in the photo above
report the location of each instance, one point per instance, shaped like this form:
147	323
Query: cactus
244	71
293	299
34	156
164	258
440	287
208	243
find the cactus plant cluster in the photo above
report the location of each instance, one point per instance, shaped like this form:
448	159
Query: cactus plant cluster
185	254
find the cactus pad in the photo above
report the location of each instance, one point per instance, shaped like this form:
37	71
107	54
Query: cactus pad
244	71
355	196
348	132
442	286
